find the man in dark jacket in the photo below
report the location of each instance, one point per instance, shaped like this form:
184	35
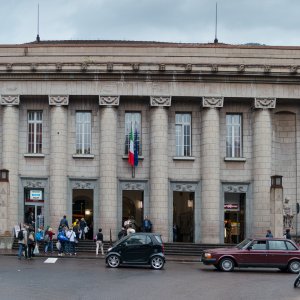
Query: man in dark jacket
99	242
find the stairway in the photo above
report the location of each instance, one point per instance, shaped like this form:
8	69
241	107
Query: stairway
180	249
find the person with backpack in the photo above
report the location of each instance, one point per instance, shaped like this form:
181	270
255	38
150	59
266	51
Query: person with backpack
30	242
99	241
48	239
22	241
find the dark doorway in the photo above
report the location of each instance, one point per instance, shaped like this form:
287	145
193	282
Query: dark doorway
234	217
133	208
83	205
183	216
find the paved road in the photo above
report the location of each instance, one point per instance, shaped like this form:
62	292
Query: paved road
90	279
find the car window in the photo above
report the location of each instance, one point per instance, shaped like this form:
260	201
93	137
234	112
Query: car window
259	245
158	238
277	245
148	240
137	240
290	246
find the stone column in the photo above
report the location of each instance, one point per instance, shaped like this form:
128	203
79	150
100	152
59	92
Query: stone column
210	170
58	202
108	179
159	164
10	161
262	164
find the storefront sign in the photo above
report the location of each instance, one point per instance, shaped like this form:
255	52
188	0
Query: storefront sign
231	206
36	195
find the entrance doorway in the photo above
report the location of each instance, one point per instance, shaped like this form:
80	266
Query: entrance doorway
133	208
234	217
34	207
183	216
83	207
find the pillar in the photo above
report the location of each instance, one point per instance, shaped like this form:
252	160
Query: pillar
159	164
210	170
108	181
262	164
10	161
58	202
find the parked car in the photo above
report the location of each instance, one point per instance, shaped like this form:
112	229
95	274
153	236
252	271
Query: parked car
262	253
137	249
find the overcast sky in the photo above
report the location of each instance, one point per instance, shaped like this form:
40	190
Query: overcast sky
271	22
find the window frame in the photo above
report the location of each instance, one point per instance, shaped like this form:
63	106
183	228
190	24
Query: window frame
35	136
85	144
182	124
231	150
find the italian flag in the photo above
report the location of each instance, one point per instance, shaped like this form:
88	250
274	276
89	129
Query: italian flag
131	147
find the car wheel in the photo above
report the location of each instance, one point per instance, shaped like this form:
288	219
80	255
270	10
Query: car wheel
157	262
294	266
227	264
113	261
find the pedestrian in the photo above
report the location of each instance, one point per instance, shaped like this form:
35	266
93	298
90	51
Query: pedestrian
71	243
147	225
48	239
122	233
99	241
30	219
61	236
83	230
22	241
228	229
287	234
130	229
64	222
30	242
269	234
175	233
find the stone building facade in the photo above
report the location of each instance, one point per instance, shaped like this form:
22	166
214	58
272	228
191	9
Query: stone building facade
215	122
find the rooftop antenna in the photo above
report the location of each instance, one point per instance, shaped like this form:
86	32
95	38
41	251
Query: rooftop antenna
216	25
38	25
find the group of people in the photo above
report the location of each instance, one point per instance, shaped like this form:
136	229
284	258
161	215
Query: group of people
130	227
29	240
286	235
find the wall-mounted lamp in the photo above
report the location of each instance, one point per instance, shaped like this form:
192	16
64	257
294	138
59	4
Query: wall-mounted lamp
190	203
87	212
140	204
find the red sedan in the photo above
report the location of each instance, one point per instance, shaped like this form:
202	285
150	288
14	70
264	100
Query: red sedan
261	253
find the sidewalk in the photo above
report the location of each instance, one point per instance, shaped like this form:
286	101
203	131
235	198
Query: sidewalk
92	255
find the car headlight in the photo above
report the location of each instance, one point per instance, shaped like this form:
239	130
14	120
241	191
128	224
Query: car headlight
109	249
207	255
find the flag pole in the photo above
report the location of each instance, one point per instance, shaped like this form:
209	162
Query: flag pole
133	172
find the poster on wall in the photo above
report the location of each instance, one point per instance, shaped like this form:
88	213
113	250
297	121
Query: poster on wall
36	195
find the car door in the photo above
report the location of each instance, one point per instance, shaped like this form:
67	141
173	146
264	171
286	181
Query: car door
136	249
278	254
254	255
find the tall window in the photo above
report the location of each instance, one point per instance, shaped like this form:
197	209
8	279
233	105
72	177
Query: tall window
133	120
35	131
183	134
234	135
83	132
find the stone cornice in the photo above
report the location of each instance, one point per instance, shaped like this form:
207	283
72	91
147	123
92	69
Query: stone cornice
264	103
10	100
59	100
160	101
213	102
109	100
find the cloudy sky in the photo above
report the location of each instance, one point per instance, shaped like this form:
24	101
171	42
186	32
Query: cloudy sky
271	22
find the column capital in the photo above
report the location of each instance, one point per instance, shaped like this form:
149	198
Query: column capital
212	101
10	100
59	100
160	100
109	100
264	102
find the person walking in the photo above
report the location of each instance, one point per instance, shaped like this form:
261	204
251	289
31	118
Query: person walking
130	229
64	222
71	244
147	225
30	242
122	233
99	241
287	234
82	225
22	241
49	240
269	234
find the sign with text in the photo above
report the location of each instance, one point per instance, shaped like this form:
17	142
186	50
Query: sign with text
231	206
36	195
